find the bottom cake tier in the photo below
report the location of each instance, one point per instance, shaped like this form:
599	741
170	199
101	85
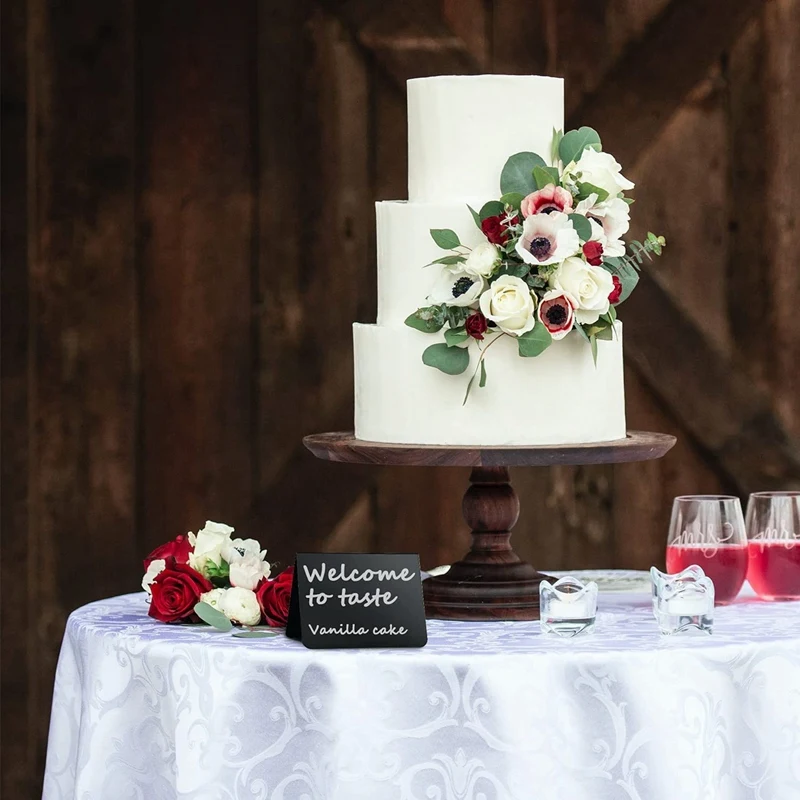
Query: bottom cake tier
559	397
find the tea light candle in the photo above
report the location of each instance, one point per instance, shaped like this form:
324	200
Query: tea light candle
565	609
691	606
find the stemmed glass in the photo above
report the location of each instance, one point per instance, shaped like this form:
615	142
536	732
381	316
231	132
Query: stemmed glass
708	530
773	533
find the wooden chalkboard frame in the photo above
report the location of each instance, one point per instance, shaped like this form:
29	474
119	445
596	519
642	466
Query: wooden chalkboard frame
491	581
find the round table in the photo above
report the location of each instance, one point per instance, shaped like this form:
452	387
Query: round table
487	711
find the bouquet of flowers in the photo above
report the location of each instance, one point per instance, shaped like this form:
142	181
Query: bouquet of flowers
553	263
211	577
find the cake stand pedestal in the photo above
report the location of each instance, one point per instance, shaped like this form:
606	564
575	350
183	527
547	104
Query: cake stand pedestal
491	581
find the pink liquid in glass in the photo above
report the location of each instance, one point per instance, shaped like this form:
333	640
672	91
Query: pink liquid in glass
725	564
774	569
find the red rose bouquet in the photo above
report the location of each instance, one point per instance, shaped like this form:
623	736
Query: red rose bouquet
211	577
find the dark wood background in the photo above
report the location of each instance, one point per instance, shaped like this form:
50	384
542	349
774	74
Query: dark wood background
188	233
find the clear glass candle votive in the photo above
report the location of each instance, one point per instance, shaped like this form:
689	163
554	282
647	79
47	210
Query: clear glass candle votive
568	606
684	602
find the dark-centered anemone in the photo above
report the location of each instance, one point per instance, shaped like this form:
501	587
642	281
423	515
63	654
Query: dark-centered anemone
556	315
462	286
540	247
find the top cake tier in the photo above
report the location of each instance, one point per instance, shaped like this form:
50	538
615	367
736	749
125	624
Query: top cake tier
462	128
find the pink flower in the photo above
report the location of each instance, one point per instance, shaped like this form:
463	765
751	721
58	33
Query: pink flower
543	201
556	313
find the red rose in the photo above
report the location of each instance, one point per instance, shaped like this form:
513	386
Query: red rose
594	253
179	549
616	292
273	597
176	590
476	325
495	229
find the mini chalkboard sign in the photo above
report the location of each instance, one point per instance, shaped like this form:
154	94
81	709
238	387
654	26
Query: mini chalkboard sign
357	600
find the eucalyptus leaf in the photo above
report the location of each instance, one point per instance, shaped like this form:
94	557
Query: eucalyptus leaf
512	268
573	143
482	381
491	209
513	199
606	334
475	215
586	189
544	176
427	320
582	226
629	200
454	336
535	341
210	615
254	634
627	275
450	360
593	344
449	260
445	238
557	137
517	174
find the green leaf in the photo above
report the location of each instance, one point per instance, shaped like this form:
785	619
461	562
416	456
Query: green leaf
517	174
445	238
593	345
482	381
456	315
427	320
454	336
557	137
448	260
574	143
582	331
491	209
210	615
450	360
535	281
518	270
475	215
627	275
544	176
513	199
606	334
535	341
254	634
582	226
629	200
585	189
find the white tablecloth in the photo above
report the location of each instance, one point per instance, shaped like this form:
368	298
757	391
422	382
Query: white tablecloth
487	711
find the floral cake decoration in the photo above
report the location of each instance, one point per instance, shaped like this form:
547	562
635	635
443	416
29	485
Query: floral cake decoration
554	262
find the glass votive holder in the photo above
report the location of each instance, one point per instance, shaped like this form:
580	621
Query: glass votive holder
684	602
568	606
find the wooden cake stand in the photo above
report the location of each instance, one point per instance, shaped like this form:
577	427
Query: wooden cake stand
491	581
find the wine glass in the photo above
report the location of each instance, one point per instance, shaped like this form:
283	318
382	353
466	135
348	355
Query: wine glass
773	534
708	530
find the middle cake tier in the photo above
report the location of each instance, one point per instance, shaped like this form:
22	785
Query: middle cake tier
405	246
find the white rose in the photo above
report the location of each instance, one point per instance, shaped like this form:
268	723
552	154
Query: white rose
509	303
156	565
482	261
248	570
208	544
601	170
457	288
214	598
586	286
241	605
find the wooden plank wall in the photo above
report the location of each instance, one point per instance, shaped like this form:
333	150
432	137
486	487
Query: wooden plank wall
188	234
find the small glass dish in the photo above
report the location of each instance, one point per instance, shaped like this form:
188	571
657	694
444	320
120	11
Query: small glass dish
567	607
684	602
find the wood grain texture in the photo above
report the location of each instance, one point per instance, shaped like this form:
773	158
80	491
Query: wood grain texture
197	250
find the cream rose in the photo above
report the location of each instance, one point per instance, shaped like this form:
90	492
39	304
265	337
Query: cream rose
509	303
241	605
482	261
208	544
587	288
601	170
214	598
248	570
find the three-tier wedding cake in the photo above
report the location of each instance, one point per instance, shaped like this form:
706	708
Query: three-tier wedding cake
509	260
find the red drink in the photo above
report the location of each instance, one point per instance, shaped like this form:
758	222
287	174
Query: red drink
725	564
774	568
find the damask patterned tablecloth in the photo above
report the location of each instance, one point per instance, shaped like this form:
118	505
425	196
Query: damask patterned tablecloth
487	711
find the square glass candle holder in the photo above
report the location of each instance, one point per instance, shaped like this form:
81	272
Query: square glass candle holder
568	606
684	602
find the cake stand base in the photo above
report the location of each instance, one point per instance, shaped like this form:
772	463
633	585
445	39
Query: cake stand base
491	581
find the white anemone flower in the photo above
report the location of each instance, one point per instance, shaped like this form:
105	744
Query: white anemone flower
457	288
548	239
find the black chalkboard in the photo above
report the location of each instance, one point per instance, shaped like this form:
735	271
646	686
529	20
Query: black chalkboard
357	600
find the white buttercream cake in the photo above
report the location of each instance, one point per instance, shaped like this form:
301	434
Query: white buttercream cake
461	130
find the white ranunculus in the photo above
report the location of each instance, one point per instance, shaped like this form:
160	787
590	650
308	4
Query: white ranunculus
601	170
237	548
457	287
482	261
248	570
241	605
214	598
510	304
586	286
547	239
156	565
208	544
